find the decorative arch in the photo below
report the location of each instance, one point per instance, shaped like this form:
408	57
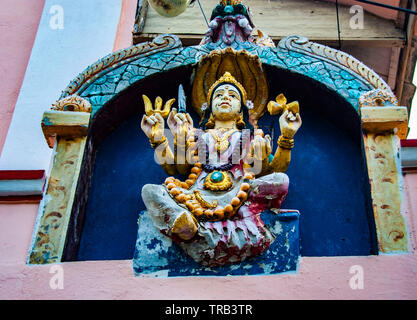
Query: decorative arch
335	69
106	79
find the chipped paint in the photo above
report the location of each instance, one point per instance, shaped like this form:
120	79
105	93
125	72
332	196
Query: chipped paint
157	256
381	150
54	212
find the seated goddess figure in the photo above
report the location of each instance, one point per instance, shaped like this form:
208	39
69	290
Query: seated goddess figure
214	215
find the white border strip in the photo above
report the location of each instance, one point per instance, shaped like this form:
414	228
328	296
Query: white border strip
409	157
21	187
59	54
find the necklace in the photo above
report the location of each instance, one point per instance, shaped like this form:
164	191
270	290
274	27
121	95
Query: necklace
222	142
200	208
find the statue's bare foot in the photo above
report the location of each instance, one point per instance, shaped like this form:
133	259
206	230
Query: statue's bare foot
185	226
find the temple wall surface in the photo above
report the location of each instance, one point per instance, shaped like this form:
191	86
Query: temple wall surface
385	276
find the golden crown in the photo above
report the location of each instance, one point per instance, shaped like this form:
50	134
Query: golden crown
250	79
227	78
230	2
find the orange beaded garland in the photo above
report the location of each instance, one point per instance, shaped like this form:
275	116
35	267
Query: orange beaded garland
219	212
189	204
208	213
245	186
235	202
189	182
169	180
198	211
192	176
242	195
171	186
196	170
195	207
174	192
181	198
228	209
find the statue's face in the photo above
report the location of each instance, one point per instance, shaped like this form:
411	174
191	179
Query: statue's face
225	103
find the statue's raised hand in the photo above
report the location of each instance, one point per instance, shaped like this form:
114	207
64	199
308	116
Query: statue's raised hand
289	123
180	124
153	127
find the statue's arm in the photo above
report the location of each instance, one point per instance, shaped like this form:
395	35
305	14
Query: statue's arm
289	124
153	127
182	128
281	160
182	163
166	159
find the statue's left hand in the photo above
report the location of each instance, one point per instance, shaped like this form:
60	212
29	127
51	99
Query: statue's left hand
260	146
289	123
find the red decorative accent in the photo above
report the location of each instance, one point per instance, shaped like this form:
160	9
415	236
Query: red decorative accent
409	143
21	174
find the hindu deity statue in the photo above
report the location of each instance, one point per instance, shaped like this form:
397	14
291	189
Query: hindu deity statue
214	215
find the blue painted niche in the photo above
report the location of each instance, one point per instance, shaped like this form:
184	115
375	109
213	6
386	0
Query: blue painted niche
328	180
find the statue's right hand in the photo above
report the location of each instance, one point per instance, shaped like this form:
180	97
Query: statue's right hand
153	127
179	123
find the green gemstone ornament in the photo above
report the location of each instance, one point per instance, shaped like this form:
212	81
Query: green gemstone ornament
216	177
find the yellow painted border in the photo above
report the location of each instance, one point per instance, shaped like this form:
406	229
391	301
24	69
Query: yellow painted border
383	125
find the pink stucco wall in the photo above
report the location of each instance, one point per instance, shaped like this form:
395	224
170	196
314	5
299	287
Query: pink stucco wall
385	277
19	23
125	26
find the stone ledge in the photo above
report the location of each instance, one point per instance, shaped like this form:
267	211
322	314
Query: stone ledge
383	119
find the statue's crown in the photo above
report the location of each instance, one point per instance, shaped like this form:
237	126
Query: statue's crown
230	2
227	78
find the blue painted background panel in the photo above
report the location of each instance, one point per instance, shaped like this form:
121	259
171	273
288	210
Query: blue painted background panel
326	186
328	180
124	163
